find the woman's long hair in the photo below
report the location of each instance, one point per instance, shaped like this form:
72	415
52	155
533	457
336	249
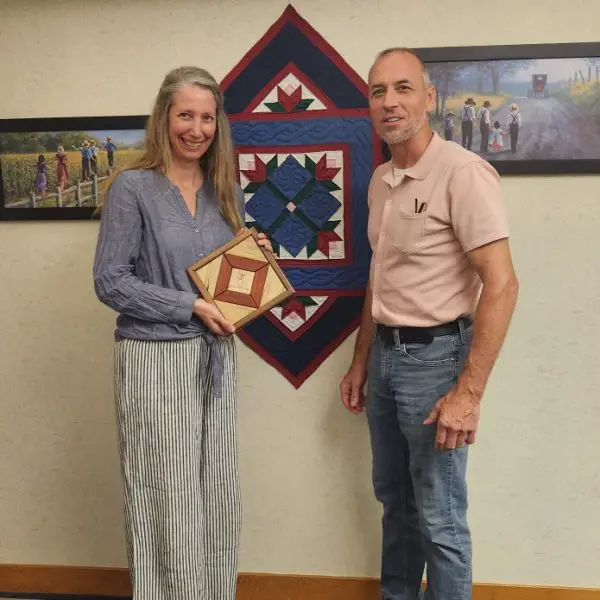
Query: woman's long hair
218	161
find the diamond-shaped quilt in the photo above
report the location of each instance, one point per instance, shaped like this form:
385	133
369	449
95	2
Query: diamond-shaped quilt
305	152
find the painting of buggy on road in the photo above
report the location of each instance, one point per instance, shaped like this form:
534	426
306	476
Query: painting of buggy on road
525	109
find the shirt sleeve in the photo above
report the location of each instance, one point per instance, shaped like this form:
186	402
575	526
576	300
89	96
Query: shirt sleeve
476	209
117	251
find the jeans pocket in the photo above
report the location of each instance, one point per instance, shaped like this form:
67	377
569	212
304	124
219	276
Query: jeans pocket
441	351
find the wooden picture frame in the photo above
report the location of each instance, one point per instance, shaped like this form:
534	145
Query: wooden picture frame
241	280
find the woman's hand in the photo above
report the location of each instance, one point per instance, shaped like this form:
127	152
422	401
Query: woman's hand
212	318
263	240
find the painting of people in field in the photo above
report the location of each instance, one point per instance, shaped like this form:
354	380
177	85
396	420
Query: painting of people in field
520	109
63	169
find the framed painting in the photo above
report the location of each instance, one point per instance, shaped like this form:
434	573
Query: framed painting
58	168
527	109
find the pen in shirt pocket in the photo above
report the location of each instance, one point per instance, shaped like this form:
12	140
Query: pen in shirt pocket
420	208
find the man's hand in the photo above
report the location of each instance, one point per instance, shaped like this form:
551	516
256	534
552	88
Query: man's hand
351	388
457	413
457	416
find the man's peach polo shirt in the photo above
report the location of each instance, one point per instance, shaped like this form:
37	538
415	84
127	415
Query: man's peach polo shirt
422	222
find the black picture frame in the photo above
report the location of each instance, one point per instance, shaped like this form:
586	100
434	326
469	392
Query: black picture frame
524	52
62	125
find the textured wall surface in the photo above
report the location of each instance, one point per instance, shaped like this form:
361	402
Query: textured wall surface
534	475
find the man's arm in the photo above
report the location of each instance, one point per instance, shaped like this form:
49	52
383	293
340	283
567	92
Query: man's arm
457	413
493	264
353	382
362	346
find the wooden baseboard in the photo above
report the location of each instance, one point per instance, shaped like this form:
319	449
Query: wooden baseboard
254	586
98	581
87	581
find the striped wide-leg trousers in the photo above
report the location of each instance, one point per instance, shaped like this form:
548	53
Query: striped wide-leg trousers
178	451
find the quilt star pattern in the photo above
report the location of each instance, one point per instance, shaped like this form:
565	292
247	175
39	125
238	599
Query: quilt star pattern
305	151
299	200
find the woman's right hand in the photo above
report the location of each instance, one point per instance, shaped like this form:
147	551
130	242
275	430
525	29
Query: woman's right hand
212	318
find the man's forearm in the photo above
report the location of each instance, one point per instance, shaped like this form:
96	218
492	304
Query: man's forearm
365	332
492	319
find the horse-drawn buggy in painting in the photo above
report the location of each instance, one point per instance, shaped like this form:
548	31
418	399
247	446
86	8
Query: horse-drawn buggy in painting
538	87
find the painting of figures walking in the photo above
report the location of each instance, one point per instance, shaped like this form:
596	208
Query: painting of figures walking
527	109
62	173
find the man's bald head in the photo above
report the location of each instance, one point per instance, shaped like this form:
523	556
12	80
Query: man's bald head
402	50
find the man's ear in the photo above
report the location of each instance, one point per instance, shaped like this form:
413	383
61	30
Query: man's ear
430	97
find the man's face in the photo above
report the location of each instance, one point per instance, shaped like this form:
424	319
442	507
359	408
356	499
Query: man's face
398	97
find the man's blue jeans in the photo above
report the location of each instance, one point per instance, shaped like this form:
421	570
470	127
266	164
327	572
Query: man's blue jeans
423	490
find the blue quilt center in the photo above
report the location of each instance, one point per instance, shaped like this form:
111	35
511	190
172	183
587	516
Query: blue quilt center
292	205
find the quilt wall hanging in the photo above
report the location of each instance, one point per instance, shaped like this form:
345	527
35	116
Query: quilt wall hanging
305	152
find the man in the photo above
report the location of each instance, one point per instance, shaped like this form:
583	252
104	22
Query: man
485	125
439	237
110	148
513	124
467	118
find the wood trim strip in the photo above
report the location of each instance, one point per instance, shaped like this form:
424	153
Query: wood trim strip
42	579
254	586
100	581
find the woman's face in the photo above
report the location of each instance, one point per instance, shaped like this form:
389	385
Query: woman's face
192	123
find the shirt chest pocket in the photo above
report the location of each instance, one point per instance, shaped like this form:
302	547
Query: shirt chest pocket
408	231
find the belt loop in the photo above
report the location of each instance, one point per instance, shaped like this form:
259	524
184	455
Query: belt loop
396	335
461	330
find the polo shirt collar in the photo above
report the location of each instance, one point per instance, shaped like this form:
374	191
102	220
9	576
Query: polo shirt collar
421	168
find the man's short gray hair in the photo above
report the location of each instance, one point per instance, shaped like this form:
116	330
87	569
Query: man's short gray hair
402	50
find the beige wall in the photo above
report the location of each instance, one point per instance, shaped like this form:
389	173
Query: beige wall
534	474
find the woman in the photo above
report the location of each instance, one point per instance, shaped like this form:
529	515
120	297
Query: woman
62	173
41	180
175	361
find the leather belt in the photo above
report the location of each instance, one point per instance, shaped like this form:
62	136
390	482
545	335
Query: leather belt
421	335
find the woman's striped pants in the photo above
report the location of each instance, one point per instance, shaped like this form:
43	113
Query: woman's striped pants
178	450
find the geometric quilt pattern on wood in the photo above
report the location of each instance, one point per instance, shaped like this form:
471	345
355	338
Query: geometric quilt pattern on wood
240	280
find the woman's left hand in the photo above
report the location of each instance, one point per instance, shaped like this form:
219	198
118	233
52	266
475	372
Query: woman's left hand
263	240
